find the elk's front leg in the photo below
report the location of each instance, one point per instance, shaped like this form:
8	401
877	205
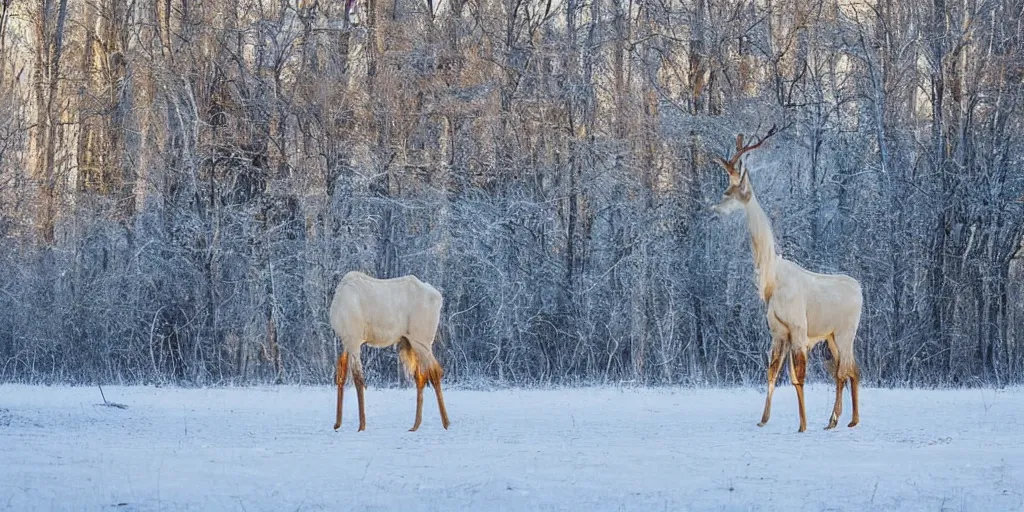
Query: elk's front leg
774	364
339	379
797	374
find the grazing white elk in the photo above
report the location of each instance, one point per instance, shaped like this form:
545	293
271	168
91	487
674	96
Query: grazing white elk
384	312
803	307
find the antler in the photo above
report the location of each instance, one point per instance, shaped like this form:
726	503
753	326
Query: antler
742	149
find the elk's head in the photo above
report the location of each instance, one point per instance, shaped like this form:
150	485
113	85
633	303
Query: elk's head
739	192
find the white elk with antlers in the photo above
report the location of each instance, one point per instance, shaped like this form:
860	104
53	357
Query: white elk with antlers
803	307
384	312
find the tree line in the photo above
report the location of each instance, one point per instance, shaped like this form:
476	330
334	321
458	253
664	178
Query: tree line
184	182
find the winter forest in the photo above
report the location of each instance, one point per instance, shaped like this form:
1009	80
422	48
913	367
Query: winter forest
184	182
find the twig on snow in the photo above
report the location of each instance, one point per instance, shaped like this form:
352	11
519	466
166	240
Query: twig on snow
109	404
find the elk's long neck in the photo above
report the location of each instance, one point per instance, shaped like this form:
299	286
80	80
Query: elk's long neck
762	241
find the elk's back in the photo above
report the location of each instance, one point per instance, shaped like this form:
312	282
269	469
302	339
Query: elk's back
382	311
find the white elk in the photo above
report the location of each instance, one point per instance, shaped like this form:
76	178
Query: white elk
803	307
384	312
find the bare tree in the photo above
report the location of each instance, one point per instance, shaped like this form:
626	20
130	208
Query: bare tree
181	183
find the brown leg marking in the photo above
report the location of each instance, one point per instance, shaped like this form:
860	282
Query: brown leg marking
773	374
360	384
435	380
421	381
854	388
339	379
798	374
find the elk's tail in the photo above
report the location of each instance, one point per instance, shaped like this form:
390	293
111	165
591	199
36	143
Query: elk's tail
417	357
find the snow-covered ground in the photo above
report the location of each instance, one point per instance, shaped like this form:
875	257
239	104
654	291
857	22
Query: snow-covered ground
568	449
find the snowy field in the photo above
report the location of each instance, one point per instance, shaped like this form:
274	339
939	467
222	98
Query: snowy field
252	449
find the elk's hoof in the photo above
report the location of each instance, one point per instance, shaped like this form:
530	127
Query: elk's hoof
853	424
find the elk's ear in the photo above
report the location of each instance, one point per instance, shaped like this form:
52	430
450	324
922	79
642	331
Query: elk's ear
721	161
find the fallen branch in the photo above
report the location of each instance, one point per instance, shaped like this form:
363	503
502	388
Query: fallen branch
109	404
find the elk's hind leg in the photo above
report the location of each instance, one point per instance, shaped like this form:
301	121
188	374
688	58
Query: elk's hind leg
411	363
436	372
339	379
360	384
421	382
833	369
854	388
846	368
